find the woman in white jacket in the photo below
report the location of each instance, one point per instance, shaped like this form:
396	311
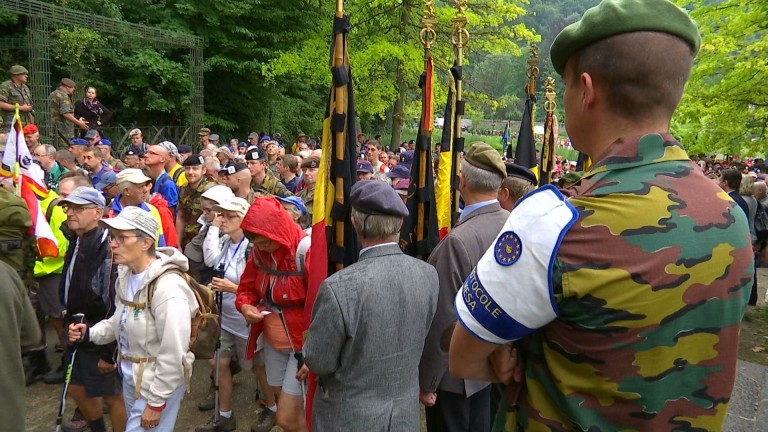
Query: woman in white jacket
153	336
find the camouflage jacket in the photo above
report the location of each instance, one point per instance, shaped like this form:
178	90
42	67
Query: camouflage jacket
190	208
272	167
271	186
60	104
648	288
307	194
11	94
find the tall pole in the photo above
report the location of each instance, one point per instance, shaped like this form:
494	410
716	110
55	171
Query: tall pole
459	38
533	70
427	36
339	141
550	132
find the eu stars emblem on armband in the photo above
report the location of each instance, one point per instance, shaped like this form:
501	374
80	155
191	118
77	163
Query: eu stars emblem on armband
508	249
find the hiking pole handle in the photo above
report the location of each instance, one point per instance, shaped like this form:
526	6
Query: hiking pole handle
78	318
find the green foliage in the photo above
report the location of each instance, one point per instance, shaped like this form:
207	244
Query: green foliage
725	106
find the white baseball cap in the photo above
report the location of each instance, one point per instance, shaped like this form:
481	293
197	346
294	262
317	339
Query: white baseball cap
133	218
218	194
233	204
132	175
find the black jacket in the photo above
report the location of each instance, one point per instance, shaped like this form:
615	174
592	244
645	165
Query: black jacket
92	285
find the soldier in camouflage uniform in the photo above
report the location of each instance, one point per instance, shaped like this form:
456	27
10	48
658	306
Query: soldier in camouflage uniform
189	199
307	187
62	112
625	310
262	181
15	91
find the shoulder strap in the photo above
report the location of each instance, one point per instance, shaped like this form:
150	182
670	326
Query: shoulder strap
153	285
49	211
177	174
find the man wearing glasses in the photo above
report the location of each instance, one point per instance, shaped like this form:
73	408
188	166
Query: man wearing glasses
15	91
46	155
87	281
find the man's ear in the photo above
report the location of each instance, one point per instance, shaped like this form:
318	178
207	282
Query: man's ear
588	91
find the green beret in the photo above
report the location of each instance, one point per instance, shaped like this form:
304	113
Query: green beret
483	156
614	17
18	70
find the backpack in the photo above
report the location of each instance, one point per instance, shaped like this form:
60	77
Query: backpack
18	248
205	324
761	223
177	174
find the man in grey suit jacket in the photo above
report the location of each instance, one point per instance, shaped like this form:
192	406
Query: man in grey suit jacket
453	404
365	340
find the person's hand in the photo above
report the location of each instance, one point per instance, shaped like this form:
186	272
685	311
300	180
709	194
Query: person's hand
82	124
506	364
251	314
224	285
217	220
106	367
76	332
427	398
302	374
150	418
25	108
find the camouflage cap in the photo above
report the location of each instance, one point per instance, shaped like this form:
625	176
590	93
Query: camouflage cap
614	17
18	70
204	131
485	157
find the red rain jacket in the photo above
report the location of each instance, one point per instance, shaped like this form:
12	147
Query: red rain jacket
267	218
166	217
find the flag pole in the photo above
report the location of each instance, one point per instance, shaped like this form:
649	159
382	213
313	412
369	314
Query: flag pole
16	168
533	70
459	38
550	134
338	61
427	36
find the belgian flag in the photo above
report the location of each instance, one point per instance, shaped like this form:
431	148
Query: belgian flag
334	243
443	195
419	234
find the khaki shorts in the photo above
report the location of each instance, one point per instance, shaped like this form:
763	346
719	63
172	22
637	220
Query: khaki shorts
235	346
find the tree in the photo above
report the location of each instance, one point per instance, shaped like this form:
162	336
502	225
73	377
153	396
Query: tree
725	106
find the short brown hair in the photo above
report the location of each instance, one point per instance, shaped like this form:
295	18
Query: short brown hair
643	73
290	161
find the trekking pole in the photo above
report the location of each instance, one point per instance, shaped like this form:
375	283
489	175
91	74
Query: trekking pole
299	359
216	397
78	319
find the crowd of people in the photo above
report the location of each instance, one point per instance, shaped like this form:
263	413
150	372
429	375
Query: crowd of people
613	302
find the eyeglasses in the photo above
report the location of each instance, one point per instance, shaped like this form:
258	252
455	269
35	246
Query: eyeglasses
76	209
120	239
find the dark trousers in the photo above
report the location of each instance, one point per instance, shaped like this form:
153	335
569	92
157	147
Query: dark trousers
457	413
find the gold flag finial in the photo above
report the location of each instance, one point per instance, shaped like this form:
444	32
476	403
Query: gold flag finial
533	69
549	95
427	34
460	35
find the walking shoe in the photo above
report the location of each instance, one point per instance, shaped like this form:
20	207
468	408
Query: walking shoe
55	376
265	421
35	366
223	425
208	403
77	424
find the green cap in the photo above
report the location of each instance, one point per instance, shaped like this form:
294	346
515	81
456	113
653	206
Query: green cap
18	70
614	17
571	177
485	157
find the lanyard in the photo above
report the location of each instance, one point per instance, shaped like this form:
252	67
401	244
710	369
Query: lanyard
233	258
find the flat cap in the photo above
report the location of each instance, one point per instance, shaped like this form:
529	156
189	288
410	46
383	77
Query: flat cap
213	137
521	172
310	162
614	17
225	151
66	82
193	160
18	70
364	166
185	149
377	198
204	131
483	156
254	154
399	171
253	135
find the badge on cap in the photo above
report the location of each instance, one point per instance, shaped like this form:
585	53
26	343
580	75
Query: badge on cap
231	169
508	249
202	161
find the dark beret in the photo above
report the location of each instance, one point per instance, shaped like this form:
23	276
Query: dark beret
193	160
519	171
406	157
310	162
233	168
364	166
132	152
483	156
399	171
254	154
375	197
614	17
184	149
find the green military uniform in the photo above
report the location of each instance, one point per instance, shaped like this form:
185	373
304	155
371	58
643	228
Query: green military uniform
271	186
272	167
190	208
12	94
307	195
60	104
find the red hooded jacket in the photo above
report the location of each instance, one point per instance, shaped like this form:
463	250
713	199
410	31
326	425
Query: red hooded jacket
166	217
267	218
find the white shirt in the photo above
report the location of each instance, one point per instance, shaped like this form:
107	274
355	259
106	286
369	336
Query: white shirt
231	319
